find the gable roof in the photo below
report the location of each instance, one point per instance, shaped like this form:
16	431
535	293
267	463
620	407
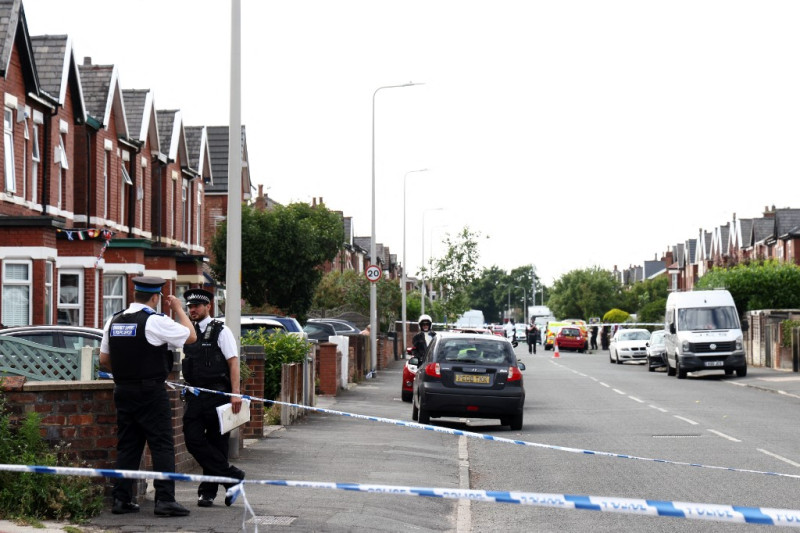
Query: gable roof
785	220
763	229
653	269
691	251
218	143
745	232
14	31
172	135
102	94
197	149
56	68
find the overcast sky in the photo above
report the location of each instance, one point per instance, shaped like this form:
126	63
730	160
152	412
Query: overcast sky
569	133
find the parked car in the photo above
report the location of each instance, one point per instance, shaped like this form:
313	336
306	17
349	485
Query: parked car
473	376
341	327
520	333
409	371
319	331
628	345
291	324
497	329
256	322
474	331
55	336
571	338
656	350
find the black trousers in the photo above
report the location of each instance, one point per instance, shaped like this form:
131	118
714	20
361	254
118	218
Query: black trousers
144	416
204	442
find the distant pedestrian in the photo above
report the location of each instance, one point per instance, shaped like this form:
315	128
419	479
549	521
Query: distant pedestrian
594	337
604	338
422	339
532	335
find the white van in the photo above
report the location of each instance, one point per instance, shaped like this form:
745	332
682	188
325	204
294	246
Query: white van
703	333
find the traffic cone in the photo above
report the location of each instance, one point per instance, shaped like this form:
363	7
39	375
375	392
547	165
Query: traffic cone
556	353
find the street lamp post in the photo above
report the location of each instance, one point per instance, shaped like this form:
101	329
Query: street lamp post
405	340
373	289
422	272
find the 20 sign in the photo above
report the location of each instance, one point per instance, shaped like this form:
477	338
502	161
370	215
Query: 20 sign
373	273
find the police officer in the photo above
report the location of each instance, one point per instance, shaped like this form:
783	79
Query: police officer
212	362
422	339
136	346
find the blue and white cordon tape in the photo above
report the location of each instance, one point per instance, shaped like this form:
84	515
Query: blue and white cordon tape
691	511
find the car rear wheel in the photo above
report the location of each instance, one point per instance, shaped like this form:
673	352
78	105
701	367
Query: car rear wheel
514	422
650	367
406	395
414	411
741	372
424	416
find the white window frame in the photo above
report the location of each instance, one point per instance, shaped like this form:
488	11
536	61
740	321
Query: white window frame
185	202
35	159
72	306
48	292
18	283
114	297
105	184
10	174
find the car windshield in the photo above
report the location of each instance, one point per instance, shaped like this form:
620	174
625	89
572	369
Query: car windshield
657	339
634	336
705	318
476	351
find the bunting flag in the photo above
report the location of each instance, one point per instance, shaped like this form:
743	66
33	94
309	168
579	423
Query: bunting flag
84	234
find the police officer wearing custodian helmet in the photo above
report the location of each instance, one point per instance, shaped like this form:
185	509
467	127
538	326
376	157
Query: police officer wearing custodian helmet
210	363
136	346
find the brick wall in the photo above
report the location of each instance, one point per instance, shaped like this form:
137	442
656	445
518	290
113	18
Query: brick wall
330	368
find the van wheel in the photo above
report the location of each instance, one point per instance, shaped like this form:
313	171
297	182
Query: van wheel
680	371
670	370
741	372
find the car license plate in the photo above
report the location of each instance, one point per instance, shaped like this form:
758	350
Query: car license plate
715	363
470	378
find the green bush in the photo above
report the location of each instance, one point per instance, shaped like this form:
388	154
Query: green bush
279	348
41	496
615	316
786	332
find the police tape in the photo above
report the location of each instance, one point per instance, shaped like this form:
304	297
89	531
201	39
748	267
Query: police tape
636	506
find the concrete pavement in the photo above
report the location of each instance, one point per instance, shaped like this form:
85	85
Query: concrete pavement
321	448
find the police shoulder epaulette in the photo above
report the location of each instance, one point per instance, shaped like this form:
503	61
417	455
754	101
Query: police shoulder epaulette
151	311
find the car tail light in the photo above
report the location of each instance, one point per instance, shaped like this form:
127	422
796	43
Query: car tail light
514	374
433	370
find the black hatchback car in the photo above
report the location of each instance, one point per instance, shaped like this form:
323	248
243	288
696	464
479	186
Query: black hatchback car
471	376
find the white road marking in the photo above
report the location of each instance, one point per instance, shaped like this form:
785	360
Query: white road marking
463	512
788	394
659	409
692	422
604	384
724	436
618	391
635	399
776	456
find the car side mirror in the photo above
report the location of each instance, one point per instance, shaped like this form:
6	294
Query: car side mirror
647	344
521	365
414	361
672	328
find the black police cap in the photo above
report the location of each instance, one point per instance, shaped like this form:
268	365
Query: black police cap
198	296
148	284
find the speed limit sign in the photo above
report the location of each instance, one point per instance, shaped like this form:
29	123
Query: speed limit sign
373	273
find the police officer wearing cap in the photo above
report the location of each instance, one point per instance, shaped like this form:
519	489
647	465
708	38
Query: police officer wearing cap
212	362
136	346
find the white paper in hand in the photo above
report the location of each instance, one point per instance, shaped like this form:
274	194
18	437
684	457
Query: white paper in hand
228	420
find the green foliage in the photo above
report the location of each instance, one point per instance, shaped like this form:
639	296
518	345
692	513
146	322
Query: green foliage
757	285
639	295
454	272
653	311
350	290
617	316
40	496
584	293
279	348
281	251
786	332
484	293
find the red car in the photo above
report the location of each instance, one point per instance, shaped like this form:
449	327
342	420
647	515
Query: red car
409	371
571	338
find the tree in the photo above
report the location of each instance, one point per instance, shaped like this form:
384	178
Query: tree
615	316
641	294
757	285
455	271
483	293
350	290
584	293
282	250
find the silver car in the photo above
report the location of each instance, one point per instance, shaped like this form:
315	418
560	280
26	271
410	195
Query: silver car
628	345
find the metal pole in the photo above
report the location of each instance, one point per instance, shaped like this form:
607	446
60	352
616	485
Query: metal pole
233	277
373	289
404	318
